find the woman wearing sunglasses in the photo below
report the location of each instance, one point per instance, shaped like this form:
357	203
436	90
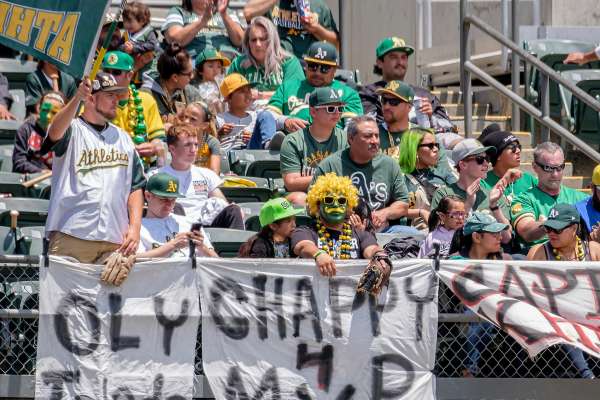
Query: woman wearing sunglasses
418	158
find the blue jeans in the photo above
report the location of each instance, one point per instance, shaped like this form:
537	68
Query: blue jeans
264	129
576	357
407	230
479	335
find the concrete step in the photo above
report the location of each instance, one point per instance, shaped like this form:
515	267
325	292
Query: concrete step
577	182
480	122
528	167
448	96
454	109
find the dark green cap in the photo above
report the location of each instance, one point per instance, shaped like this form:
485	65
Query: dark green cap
277	209
210	54
163	185
325	95
561	216
117	60
393	44
398	89
482	222
322	53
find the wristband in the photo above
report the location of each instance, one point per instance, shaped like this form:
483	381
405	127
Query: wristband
494	208
318	253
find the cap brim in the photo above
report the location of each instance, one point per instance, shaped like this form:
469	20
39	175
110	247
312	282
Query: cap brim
317	61
392	93
495	227
480	150
226	62
168	195
405	49
113	89
556	224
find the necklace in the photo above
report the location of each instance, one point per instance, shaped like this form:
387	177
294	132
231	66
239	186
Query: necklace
137	121
579	252
345	237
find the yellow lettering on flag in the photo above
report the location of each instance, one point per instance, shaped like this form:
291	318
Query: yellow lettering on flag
47	22
19	25
62	46
4	7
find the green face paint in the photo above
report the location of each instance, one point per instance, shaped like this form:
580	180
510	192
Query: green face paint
46	114
333	209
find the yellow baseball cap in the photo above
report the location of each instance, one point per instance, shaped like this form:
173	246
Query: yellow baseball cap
596	176
233	82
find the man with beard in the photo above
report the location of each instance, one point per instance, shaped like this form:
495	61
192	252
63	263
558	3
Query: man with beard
530	209
392	64
589	208
97	178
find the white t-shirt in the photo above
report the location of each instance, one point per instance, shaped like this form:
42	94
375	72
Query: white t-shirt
157	231
233	140
439	235
196	184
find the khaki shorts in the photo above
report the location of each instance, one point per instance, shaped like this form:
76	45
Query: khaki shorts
84	251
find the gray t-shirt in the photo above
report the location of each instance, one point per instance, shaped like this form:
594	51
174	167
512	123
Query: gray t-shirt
233	140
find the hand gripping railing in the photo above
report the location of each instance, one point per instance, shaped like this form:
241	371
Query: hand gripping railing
546	73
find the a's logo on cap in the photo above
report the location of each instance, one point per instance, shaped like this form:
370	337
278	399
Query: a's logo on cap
393	85
333	95
553	213
397	42
172	187
112	59
321	53
96	85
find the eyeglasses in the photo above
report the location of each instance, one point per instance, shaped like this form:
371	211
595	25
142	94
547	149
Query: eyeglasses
330	200
331	109
392	101
457	214
551	168
115	72
479	159
319	67
431	146
188	74
514	146
556	231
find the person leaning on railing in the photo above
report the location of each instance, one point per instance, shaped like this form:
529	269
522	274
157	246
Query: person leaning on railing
583	58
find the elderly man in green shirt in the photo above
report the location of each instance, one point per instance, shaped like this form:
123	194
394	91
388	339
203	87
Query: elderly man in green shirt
530	209
289	103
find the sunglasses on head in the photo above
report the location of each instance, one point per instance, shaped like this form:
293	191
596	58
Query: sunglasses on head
556	231
114	72
319	67
479	159
551	168
329	200
514	146
431	146
457	214
332	109
392	101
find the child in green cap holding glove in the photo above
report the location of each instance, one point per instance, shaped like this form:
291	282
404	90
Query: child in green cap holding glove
278	220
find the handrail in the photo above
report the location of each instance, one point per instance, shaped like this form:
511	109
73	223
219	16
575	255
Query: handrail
547	73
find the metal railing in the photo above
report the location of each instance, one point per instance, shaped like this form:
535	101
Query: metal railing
546	74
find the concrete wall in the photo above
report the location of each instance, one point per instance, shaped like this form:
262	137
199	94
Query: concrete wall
573	12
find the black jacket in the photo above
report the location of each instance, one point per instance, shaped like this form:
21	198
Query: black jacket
28	155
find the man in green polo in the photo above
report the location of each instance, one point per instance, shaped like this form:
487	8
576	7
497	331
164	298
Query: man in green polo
530	209
303	150
289	103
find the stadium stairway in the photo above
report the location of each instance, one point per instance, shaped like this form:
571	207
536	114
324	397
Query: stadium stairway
488	108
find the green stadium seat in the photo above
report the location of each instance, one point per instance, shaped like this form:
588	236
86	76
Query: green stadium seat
16	71
6	151
587	121
32	240
18	108
267	163
574	76
224	164
33	212
252	211
227	242
12	183
349	77
7	241
261	193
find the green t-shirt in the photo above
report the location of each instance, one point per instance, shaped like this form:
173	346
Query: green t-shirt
524	183
535	202
300	152
482	199
214	34
433	179
290	70
291	99
294	38
379	182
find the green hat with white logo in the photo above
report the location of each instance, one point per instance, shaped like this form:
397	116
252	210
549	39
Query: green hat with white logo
117	60
277	209
211	54
393	44
164	185
482	222
561	216
322	53
398	89
325	95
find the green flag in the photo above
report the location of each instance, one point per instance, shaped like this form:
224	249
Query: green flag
63	32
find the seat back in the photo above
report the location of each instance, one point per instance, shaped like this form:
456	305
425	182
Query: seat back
16	71
32	239
261	193
227	242
6	152
574	76
7	241
587	121
32	212
239	160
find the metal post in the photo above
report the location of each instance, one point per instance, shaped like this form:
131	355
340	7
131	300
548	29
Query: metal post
504	30
515	67
545	103
537	12
420	24
341	32
427	24
465	75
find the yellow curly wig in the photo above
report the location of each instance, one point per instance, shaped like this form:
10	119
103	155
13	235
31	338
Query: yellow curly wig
331	184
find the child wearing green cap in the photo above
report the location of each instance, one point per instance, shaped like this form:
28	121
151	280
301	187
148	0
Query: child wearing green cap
278	220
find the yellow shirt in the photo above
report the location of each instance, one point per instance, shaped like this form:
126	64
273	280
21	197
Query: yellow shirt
154	124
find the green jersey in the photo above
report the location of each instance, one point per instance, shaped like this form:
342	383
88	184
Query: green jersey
535	203
300	152
524	183
290	70
291	99
294	37
379	182
482	198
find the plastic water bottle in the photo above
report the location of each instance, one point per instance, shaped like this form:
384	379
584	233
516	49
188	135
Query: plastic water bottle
421	118
303	7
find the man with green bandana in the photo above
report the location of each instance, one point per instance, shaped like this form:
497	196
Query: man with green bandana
289	103
530	209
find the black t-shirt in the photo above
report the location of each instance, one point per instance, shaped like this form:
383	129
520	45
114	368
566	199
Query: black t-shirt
360	240
265	248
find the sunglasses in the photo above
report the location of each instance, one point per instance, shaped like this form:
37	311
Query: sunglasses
514	146
331	109
479	159
319	67
392	101
556	231
330	200
431	146
457	215
115	72
551	168
188	74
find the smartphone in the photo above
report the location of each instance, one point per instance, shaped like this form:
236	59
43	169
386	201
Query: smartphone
196	226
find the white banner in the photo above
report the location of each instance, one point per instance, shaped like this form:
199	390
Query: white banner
538	303
278	330
100	342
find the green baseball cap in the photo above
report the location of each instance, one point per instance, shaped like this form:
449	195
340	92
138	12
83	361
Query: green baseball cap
117	60
482	222
164	185
561	216
325	95
211	54
393	44
398	89
322	53
275	210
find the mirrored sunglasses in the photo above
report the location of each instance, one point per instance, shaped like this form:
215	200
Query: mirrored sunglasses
551	168
318	67
330	200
